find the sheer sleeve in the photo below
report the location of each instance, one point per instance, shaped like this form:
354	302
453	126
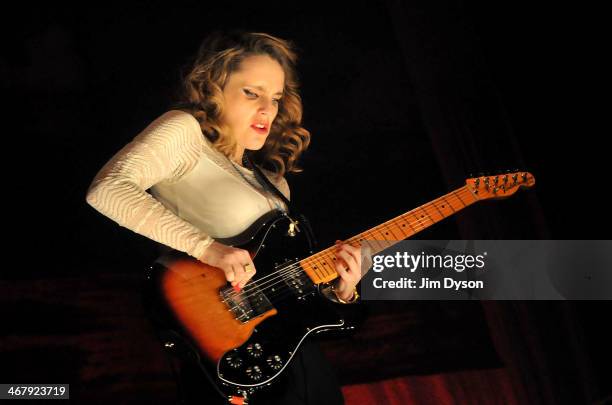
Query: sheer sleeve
168	148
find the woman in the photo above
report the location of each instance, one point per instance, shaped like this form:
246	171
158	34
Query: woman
240	95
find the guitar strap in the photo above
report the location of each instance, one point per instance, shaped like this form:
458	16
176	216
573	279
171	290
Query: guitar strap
293	211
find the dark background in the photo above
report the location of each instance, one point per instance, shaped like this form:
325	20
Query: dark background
404	100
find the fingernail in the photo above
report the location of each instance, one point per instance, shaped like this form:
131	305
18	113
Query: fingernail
237	288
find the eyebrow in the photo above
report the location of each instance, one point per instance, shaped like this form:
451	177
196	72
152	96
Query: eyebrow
263	89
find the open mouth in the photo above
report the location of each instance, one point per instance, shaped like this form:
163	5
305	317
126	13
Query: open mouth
260	128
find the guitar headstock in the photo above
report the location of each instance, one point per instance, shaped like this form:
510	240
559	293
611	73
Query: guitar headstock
499	185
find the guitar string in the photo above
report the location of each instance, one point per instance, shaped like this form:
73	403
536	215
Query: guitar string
383	227
281	273
295	268
451	196
274	295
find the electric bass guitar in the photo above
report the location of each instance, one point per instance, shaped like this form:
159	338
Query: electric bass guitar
245	340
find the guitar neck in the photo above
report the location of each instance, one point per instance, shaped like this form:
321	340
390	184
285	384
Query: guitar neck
320	266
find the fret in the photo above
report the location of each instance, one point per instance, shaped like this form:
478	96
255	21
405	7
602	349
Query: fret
373	240
326	264
401	227
424	209
315	267
447	203
321	266
419	223
409	223
459	199
381	231
439	210
414	231
468	192
323	269
388	231
393	228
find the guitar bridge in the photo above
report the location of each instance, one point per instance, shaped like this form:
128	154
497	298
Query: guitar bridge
247	304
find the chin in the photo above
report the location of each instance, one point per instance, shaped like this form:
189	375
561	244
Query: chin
256	145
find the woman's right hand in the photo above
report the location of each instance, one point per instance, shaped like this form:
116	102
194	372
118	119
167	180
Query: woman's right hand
232	261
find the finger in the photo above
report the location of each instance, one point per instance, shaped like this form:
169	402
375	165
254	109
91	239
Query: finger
355	252
341	270
249	271
356	266
240	273
348	260
248	267
247	275
229	274
236	272
353	273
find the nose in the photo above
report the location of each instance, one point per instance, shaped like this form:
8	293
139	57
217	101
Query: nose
266	106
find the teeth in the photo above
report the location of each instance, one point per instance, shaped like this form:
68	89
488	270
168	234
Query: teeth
260	126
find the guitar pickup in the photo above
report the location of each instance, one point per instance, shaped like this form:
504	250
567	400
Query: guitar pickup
247	304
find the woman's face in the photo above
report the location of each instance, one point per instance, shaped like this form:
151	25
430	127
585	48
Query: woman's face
252	96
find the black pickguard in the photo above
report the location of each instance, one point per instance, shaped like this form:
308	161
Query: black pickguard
302	311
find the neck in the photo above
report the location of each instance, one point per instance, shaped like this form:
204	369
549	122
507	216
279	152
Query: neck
237	158
320	266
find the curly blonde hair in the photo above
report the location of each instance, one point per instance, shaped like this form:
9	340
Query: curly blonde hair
201	95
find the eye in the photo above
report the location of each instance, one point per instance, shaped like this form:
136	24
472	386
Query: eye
276	100
249	93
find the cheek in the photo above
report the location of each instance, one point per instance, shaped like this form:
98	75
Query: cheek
237	114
